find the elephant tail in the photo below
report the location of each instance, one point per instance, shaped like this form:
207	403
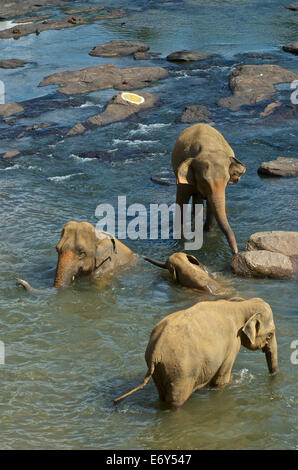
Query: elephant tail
145	381
156	263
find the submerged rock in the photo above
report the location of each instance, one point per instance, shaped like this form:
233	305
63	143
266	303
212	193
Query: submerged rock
77	129
165	178
280	167
118	108
118	48
262	263
251	84
293	48
270	108
292	6
9	109
276	241
12	63
195	113
8	9
188	56
104	76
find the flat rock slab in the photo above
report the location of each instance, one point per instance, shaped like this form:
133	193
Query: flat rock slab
85	9
9	109
293	48
118	109
292	6
104	76
188	56
262	263
9	8
12	63
278	241
195	113
280	167
118	48
25	29
251	84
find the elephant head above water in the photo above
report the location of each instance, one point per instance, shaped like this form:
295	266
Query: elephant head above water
189	272
204	163
82	250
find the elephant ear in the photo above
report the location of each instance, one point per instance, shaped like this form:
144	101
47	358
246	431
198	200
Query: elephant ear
251	327
185	174
105	249
236	169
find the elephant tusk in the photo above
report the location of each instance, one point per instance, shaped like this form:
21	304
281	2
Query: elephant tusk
73	278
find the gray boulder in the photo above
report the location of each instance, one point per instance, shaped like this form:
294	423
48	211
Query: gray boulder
293	48
280	167
119	109
195	113
104	76
188	56
251	84
278	241
262	263
118	48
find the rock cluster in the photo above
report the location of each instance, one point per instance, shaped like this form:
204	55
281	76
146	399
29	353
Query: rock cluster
268	254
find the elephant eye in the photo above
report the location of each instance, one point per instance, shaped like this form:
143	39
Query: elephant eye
82	253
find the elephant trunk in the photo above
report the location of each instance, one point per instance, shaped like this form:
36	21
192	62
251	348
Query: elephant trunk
66	269
270	351
156	263
218	204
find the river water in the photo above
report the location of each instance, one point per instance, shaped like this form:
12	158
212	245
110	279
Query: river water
69	353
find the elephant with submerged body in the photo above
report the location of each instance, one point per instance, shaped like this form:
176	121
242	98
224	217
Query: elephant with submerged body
204	163
82	250
189	272
198	346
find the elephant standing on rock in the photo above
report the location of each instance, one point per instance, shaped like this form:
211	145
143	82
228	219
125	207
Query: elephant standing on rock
198	346
189	272
84	251
204	163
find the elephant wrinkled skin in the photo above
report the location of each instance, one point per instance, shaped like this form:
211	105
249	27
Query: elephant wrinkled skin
204	163
84	251
198	346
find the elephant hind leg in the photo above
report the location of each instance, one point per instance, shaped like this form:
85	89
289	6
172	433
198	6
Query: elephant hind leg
179	391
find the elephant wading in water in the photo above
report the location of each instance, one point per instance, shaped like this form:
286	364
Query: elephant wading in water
204	163
189	272
84	251
198	346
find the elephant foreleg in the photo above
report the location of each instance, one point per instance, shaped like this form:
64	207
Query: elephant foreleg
223	375
196	199
183	196
210	222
